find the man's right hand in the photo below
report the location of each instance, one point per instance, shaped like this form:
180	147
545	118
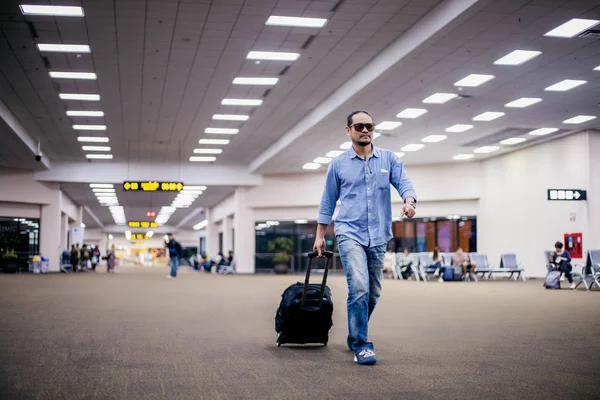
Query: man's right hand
319	246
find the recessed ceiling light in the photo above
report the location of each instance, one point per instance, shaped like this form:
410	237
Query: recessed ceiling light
440	98
597	68
222	131
64	48
300	221
565	85
517	57
579	119
488	116
463	156
194	187
572	28
514	140
77	96
413	147
208	151
543	131
399	154
376	135
92	139
101	185
434	138
103	190
202	159
346	145
333	153
241	102
89	127
322	160
255	81
99	156
311	166
474	80
523	102
272	56
231	117
388	125
57	11
296	21
486	149
95	148
85	113
213	141
72	75
459	128
411	113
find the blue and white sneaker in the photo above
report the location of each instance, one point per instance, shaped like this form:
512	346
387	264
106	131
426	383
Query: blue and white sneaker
365	357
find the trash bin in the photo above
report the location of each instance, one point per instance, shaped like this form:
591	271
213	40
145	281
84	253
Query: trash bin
36	264
45	265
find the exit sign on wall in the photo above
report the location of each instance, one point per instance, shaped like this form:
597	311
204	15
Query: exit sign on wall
567	195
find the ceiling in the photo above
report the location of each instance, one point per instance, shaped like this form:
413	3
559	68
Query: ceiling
163	68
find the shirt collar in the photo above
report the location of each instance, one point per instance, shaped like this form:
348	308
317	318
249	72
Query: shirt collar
375	153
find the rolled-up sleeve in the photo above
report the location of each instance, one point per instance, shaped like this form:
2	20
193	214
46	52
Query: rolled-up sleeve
400	180
330	196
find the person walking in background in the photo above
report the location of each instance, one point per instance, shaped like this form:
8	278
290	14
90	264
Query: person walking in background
74	258
360	178
111	259
174	253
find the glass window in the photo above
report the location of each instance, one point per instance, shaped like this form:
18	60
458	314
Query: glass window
20	237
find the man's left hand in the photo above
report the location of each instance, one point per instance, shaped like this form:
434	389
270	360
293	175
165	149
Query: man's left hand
408	211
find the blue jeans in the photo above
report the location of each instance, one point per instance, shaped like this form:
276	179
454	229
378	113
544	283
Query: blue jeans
363	266
174	265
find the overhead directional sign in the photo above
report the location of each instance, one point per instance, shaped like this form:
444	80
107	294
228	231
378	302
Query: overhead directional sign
567	195
142	224
152	186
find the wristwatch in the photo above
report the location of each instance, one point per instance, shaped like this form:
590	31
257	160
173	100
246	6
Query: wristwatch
412	203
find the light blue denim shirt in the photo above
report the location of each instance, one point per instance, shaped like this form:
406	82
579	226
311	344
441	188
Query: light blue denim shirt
364	191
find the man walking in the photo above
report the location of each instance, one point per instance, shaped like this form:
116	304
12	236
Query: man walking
174	252
361	179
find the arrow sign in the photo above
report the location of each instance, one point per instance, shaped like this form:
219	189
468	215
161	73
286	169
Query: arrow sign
567	195
576	194
127	185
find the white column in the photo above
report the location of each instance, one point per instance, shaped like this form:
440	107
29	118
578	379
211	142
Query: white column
212	236
50	237
64	231
245	235
593	193
227	235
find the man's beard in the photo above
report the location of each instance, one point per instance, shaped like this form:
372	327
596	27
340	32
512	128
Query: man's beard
363	144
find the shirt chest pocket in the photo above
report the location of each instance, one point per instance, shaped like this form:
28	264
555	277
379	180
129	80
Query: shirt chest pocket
383	180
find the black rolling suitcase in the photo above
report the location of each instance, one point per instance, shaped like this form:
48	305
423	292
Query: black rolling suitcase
304	314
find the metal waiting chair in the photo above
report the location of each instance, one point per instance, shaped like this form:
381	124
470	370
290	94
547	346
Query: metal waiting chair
481	265
413	267
591	269
509	264
424	266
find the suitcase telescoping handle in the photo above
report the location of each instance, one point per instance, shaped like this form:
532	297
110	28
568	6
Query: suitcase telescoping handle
311	256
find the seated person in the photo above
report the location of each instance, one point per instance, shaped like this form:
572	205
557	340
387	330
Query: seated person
404	264
461	259
438	264
389	264
562	262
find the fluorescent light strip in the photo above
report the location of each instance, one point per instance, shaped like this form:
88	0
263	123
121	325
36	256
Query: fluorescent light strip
101	185
474	80
95	148
543	131
439	98
241	102
230	117
103	190
485	149
72	75
333	153
208	151
376	135
322	160
523	102
272	56
92	139
399	154
488	116
459	128
77	96
512	141
64	48
579	119
85	113
296	21
222	131
434	138
572	28
255	81
346	145
213	141
411	113
99	156
413	147
191	187
565	85
597	68
202	159
388	125
89	127
311	166
517	57
56	11
463	156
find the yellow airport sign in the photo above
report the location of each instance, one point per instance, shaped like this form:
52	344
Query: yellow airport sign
152	186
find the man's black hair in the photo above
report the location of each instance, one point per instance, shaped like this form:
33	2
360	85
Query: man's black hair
169	234
558	245
353	113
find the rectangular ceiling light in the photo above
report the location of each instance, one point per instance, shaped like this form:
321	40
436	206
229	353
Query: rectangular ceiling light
463	156
89	127
241	102
434	138
296	21
272	56
523	102
597	68
474	80
103	190
192	187
572	28
72	75
345	145
412	147
231	117
388	125
99	156
440	98
579	119
517	57
565	85
85	113
488	116
399	154
322	160
208	151
77	96
202	159
101	185
95	148
213	141
56	11
255	81
311	166
486	149
514	140
92	139
222	131
333	153
411	113
459	128
543	131
376	135
64	48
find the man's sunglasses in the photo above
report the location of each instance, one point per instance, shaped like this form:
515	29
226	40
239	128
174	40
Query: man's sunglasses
360	127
